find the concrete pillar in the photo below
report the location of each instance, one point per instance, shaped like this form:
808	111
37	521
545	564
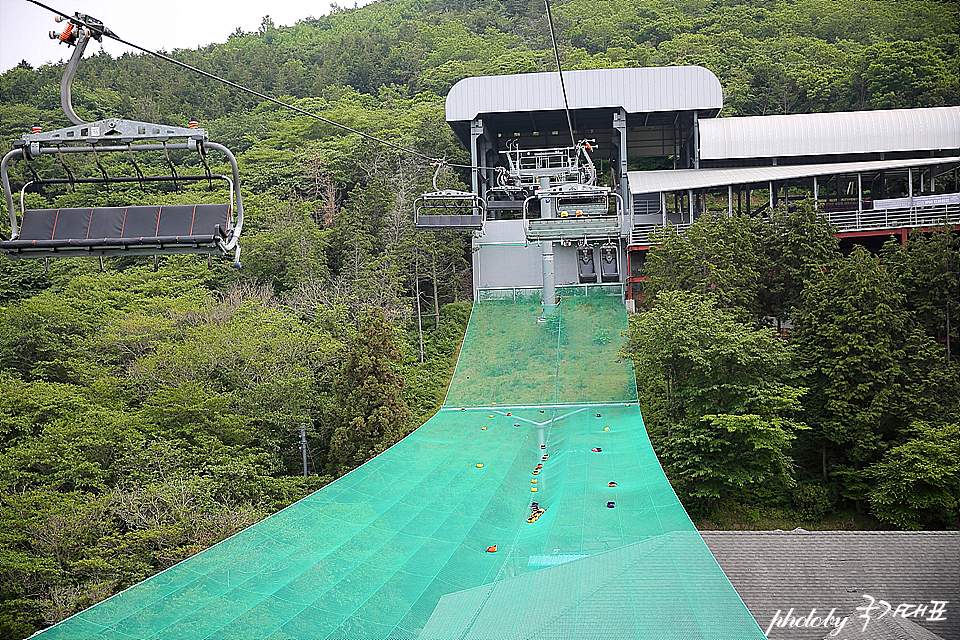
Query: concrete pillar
816	194
730	200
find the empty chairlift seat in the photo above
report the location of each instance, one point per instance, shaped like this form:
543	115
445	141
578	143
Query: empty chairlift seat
449	209
197	228
609	264
586	268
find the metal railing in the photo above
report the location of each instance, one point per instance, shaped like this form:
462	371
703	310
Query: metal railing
848	221
641	233
514	294
908	217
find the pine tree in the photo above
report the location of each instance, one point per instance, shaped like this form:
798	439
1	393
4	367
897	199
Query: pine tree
796	245
372	416
866	365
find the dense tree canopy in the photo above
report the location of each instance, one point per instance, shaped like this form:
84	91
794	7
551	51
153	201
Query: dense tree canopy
840	396
717	397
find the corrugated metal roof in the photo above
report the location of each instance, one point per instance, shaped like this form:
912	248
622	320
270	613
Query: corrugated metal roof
682	179
830	133
643	90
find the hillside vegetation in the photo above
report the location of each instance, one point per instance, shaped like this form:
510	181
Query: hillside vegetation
147	414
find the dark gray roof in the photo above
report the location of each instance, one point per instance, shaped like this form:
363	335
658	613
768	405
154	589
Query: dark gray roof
823	570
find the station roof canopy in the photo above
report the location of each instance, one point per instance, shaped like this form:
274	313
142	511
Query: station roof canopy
682	179
818	134
647	90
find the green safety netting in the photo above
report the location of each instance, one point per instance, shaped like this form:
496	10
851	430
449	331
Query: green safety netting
398	548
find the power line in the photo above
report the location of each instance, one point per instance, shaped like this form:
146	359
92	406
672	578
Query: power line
99	29
563	88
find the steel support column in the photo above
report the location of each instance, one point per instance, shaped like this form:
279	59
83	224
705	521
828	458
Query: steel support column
696	140
623	183
546	247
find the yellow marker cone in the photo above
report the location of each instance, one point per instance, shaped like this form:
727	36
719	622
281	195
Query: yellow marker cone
533	480
606	428
533	488
479	465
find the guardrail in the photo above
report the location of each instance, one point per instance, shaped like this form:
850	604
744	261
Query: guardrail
514	294
847	221
641	233
909	217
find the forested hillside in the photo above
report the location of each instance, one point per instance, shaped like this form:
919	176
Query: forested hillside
147	414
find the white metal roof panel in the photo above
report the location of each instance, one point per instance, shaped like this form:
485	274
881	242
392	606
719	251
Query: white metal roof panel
830	133
641	90
683	179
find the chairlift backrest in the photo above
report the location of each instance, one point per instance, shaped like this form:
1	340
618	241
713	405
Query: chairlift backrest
609	263
448	208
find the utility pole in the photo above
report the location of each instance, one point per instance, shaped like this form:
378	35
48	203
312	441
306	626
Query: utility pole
303	446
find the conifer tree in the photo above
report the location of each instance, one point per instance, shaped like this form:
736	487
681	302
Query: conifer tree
866	364
372	416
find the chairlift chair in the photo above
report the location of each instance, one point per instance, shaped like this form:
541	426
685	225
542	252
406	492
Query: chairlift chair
609	263
123	230
586	268
448	208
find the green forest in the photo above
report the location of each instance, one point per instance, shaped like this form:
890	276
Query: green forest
150	411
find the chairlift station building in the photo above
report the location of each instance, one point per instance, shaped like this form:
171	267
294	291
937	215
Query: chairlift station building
871	173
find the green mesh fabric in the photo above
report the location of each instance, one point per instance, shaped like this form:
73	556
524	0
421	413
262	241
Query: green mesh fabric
398	547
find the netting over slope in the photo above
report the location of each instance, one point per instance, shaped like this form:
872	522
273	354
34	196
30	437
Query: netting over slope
398	547
509	358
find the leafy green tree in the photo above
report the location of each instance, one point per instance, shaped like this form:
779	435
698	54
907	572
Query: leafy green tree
902	74
917	484
929	269
716	395
796	245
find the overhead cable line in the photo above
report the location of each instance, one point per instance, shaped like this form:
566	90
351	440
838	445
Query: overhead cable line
100	30
563	88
